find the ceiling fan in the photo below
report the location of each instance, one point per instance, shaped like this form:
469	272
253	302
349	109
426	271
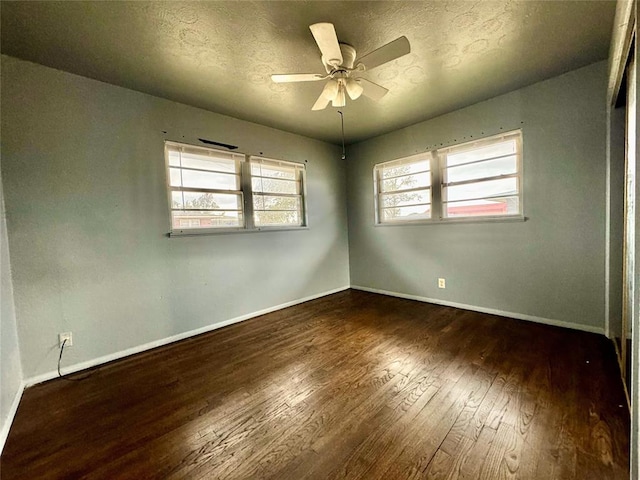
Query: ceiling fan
340	62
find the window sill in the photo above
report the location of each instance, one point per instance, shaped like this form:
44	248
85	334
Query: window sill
231	231
444	221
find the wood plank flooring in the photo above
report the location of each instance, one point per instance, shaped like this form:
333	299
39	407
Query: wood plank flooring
353	385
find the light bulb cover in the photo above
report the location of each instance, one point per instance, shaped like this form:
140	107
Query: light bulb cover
330	89
354	89
340	100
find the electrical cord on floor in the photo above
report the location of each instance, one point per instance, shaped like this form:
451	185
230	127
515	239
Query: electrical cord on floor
64	377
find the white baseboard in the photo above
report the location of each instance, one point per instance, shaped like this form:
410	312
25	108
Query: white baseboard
165	341
4	433
174	338
492	311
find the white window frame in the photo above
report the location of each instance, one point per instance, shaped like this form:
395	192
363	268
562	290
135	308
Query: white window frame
474	145
245	192
438	182
300	174
238	160
379	193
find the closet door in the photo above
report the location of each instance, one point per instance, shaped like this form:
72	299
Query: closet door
628	284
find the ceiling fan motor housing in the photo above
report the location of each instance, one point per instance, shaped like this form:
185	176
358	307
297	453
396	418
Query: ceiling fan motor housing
348	58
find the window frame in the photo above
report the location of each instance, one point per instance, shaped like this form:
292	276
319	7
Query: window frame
477	144
300	168
237	157
245	192
438	168
378	193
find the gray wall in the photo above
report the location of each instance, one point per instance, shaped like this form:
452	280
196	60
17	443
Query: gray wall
10	367
87	216
549	267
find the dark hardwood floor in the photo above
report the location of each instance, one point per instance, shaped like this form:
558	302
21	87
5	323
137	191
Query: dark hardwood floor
353	385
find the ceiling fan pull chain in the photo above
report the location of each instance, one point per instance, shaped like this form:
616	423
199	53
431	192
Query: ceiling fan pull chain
344	156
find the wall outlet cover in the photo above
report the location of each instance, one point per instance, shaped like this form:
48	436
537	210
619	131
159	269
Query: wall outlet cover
65	336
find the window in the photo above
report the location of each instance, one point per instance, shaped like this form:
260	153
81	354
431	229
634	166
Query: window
212	190
277	188
481	179
204	187
403	189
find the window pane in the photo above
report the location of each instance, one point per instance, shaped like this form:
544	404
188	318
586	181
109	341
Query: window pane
406	182
407	198
197	179
206	200
206	219
503	186
477	208
261	170
175	179
268	202
480	153
272	185
397	170
266	218
205	160
174	158
209	163
489	168
406	213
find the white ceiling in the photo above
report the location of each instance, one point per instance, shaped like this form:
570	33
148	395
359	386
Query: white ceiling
219	55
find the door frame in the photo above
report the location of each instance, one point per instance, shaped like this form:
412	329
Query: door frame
624	32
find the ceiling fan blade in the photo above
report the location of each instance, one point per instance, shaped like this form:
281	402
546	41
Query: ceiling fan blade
372	90
297	77
321	103
327	40
386	53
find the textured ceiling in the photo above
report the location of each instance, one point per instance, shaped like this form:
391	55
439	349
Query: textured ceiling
219	55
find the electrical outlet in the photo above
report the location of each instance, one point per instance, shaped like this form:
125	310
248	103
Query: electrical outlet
442	283
65	336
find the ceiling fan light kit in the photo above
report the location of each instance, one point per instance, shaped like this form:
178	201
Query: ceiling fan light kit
341	61
340	100
354	88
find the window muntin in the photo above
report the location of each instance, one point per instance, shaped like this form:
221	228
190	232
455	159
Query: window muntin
477	179
482	179
278	192
403	189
